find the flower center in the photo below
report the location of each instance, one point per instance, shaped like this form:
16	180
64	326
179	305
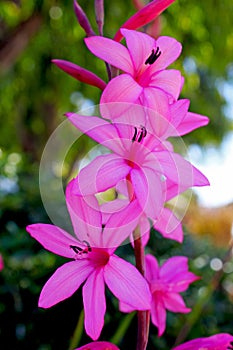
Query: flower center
81	252
153	56
138	136
98	256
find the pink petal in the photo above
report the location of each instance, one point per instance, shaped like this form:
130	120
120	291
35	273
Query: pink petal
99	130
121	224
179	109
175	273
157	104
220	341
53	238
127	284
85	216
64	282
158	314
180	171
110	51
168	81
80	73
1	263
191	122
101	174
175	303
171	50
120	89
123	307
148	191
169	226
144	16
152	268
99	345
94	304
140	46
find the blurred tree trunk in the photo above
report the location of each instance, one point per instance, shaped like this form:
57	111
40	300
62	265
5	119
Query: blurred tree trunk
17	40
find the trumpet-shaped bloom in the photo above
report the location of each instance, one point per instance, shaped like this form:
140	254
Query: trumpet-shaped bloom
145	80
99	345
166	283
93	261
156	174
222	341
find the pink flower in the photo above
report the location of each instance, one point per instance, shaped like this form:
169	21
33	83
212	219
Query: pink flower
145	81
166	283
1	263
93	261
145	15
156	174
222	341
99	345
80	73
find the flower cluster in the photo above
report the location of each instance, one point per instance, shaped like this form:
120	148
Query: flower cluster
140	110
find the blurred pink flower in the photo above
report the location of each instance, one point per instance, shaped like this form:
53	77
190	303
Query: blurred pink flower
1	263
94	261
99	345
146	80
222	341
166	282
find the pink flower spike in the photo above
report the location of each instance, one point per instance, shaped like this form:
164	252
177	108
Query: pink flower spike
93	261
82	19
99	345
79	73
221	341
165	284
147	14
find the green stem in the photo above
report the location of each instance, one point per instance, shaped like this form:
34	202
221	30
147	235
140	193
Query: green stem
124	325
74	342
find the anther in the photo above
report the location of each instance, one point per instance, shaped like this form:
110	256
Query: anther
142	134
135	134
153	56
76	249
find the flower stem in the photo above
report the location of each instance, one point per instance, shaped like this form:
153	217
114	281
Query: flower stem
143	316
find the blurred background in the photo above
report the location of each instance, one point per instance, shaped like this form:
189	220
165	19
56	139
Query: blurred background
34	95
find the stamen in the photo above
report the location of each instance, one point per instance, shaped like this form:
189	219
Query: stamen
76	249
135	134
153	56
88	246
79	251
142	134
